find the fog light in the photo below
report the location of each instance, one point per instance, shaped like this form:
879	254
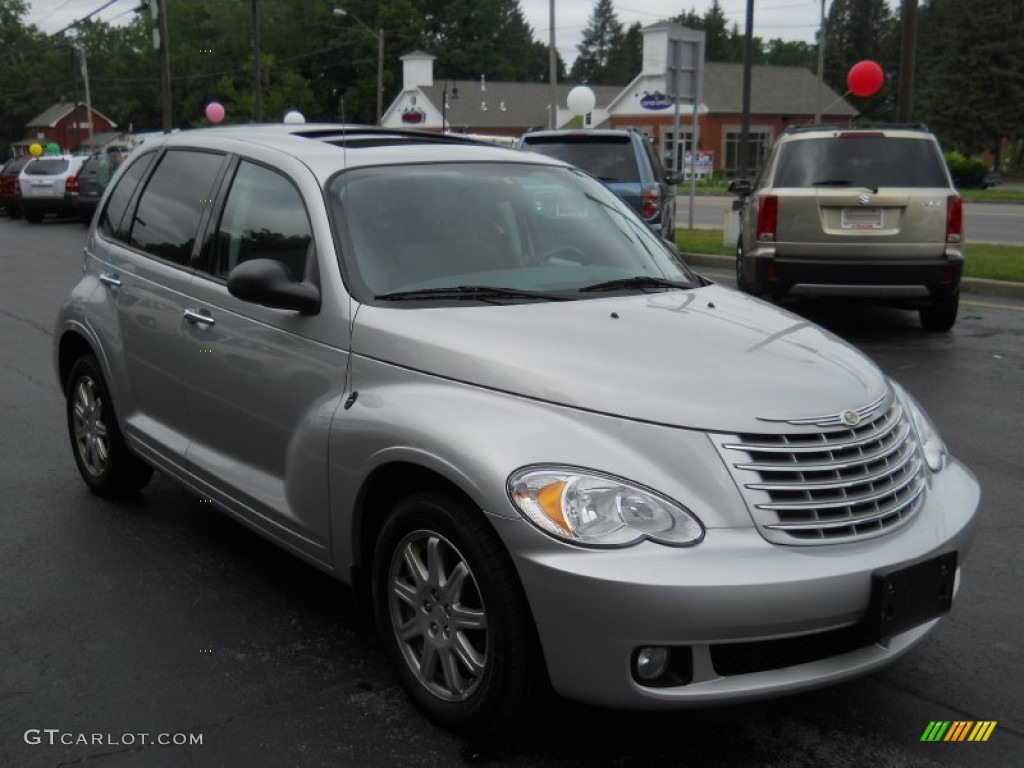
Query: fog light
651	663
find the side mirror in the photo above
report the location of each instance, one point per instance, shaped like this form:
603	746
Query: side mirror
741	187
266	282
675	179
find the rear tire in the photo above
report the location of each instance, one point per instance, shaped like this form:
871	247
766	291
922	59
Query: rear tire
741	278
453	616
103	459
33	217
941	316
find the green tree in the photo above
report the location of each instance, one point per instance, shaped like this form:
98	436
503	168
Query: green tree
854	31
971	72
35	72
626	59
721	43
601	37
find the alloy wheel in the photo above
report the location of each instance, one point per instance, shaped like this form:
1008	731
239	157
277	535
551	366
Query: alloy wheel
437	615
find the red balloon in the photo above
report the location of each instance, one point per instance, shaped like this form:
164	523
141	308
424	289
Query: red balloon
865	78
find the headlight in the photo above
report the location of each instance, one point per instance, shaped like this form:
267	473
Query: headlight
932	447
598	510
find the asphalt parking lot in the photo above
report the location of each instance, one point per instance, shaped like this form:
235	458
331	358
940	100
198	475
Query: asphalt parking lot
162	618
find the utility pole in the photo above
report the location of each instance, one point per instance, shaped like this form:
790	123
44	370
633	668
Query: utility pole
159	8
552	70
380	74
821	64
908	44
88	94
257	64
748	56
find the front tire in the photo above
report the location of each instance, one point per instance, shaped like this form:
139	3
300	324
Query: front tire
103	459
453	617
941	316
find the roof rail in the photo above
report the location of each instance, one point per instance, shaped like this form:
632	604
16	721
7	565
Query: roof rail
858	127
344	134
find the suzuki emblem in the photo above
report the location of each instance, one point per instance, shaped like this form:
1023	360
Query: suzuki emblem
864	199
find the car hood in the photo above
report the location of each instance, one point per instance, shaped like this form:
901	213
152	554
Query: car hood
708	358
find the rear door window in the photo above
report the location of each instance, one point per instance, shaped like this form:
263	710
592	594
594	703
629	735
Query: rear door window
166	221
609	158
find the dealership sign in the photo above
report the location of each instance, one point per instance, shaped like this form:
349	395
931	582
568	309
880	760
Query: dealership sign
655	101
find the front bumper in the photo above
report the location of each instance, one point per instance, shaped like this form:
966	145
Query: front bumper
594	609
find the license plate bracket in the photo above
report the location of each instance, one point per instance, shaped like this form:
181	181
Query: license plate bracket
860	218
910	595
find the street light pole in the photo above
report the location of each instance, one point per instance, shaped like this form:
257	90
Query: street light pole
379	34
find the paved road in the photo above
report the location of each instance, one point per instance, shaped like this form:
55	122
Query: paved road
983	222
158	616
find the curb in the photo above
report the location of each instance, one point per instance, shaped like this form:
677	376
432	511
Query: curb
1000	288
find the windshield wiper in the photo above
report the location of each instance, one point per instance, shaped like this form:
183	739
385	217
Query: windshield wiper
843	183
470	292
641	281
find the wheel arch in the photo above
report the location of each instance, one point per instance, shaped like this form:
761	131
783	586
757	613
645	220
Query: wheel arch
71	347
380	491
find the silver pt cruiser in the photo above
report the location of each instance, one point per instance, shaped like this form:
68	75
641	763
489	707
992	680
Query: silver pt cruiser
471	383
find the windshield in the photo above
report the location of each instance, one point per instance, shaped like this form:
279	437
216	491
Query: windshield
865	161
552	231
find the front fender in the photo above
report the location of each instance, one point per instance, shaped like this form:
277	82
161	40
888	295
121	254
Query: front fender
474	438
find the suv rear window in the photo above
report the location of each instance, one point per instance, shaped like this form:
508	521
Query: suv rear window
610	158
47	167
860	161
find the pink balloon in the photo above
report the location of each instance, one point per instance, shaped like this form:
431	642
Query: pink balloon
865	78
214	112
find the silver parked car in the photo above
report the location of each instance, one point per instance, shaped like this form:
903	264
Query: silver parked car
473	384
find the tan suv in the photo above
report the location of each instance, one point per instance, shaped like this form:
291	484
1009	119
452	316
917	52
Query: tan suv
868	213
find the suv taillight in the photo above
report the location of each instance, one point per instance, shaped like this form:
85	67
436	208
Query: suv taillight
954	219
71	185
649	202
767	217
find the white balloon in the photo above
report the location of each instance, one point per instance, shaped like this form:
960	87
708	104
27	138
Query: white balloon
581	100
294	118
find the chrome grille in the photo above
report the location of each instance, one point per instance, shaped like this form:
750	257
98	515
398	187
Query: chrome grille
829	486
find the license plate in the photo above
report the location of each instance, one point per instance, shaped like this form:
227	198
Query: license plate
902	598
861	218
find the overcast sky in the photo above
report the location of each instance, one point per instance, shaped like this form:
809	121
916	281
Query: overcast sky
786	19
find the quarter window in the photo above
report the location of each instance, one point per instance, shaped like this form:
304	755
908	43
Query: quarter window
264	218
112	218
167	220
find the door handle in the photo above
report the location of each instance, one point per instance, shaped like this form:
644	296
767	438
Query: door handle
112	279
199	317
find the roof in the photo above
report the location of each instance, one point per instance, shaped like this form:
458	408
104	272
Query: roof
49	118
507	104
328	148
773	91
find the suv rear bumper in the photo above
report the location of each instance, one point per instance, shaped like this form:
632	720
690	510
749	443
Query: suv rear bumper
907	281
61	205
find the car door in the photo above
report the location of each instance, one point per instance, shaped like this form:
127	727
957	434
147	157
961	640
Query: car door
261	384
144	247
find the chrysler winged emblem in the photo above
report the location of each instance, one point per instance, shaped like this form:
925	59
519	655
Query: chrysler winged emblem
864	198
850	418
